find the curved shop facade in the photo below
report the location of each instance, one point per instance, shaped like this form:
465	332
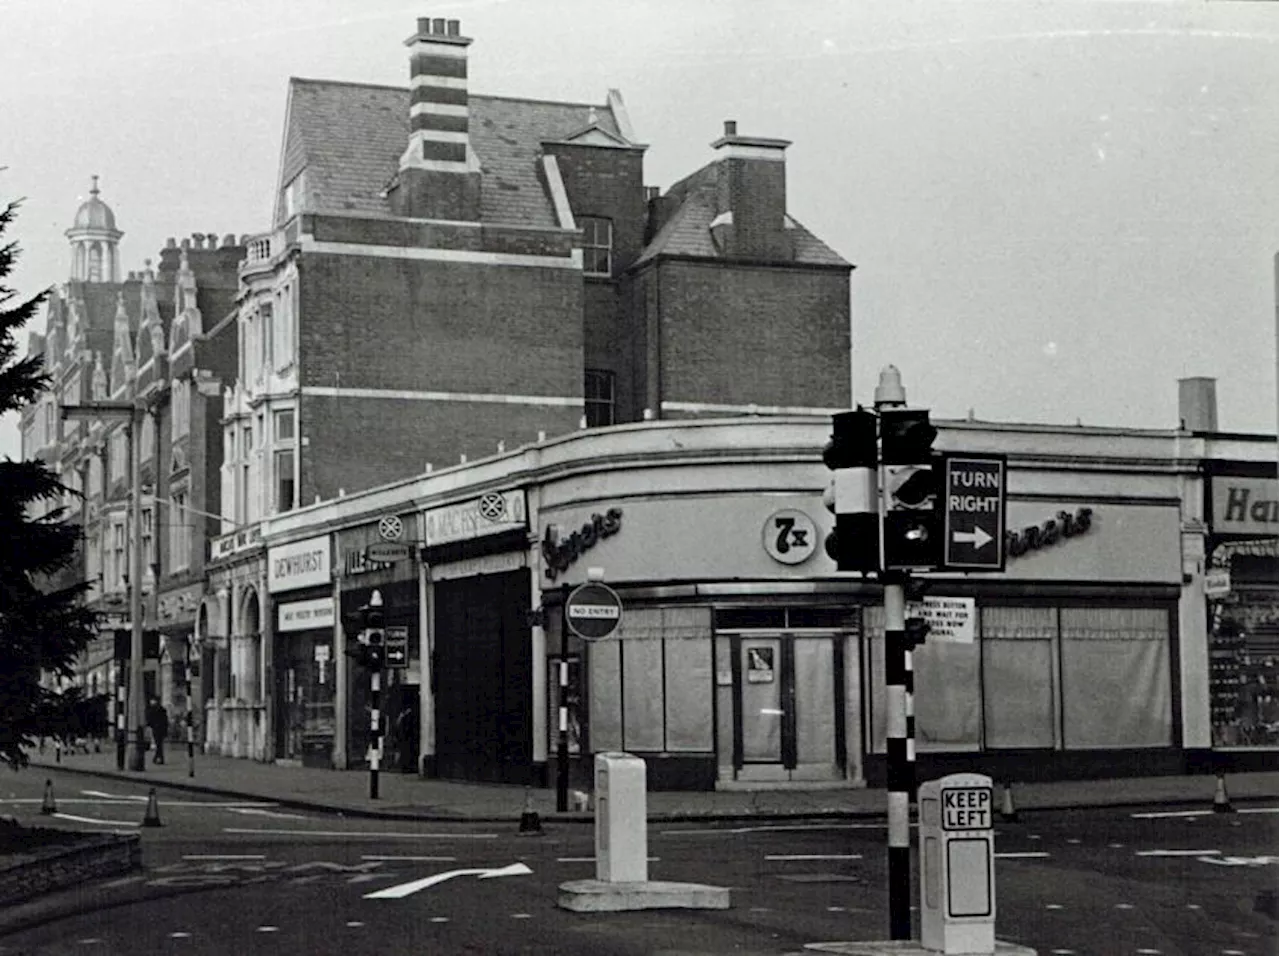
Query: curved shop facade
743	659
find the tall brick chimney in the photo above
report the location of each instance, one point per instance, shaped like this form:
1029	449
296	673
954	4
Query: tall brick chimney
1198	404
439	172
751	196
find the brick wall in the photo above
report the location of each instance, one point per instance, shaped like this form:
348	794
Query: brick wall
358	443
740	334
381	323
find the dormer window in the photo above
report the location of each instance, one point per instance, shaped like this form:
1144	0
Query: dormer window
597	245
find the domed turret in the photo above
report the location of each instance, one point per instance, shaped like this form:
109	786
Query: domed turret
94	239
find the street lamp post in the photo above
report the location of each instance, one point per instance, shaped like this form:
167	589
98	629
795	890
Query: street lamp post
131	415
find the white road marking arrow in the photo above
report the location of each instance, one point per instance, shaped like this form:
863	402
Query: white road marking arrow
977	537
405	889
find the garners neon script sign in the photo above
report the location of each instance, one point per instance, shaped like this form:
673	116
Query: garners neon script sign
559	553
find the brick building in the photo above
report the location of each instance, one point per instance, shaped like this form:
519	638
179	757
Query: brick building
449	274
141	338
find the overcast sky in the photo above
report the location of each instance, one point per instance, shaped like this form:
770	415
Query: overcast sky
1056	209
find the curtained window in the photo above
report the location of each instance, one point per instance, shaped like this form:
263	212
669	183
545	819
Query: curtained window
1115	678
947	697
1020	704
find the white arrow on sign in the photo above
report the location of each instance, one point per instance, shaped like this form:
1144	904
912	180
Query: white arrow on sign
977	537
405	889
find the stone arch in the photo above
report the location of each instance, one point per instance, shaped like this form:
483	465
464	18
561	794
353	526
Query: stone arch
246	659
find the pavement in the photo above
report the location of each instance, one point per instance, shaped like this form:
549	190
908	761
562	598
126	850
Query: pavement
408	797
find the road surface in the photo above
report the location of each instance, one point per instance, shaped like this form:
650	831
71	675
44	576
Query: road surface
248	877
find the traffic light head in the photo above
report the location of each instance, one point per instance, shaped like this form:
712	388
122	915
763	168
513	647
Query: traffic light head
851	496
917	630
853	440
906	436
375	648
911	529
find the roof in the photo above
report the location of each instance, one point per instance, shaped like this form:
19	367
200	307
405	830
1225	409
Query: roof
350	137
686	230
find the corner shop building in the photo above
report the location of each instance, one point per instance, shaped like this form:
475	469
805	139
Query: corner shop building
743	659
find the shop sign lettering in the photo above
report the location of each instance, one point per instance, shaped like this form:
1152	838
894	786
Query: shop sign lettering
558	554
298	565
356	562
1035	537
1245	505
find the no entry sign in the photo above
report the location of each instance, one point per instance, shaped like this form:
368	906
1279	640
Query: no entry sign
593	610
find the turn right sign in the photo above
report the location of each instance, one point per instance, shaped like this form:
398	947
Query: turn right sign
973	512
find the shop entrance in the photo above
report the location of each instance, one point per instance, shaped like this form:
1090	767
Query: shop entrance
483	679
788	713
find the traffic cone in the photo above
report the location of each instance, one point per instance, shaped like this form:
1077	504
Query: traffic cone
152	818
1221	802
1008	812
530	822
47	806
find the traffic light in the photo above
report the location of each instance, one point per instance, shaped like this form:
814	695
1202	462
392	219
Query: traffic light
917	629
912	529
375	636
851	495
369	648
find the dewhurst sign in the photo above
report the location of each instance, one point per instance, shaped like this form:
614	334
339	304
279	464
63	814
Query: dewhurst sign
1244	505
300	564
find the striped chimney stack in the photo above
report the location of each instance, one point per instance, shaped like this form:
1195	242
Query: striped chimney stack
439	172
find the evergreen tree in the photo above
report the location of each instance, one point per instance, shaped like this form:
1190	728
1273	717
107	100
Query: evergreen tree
43	628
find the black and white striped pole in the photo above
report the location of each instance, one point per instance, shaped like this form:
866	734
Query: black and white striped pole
190	718
374	636
900	752
899	710
562	712
121	733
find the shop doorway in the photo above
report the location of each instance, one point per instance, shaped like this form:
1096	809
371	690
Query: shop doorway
483	679
788	717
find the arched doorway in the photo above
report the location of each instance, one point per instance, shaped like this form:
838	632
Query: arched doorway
245	665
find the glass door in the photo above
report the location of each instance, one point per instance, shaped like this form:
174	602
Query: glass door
760	699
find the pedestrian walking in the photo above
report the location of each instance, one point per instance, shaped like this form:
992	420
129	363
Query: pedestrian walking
158	721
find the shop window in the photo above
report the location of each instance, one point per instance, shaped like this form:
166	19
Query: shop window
651	690
1115	678
1242	665
947	691
1020	700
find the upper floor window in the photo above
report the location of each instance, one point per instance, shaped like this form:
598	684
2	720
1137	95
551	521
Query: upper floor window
598	397
180	408
284	459
148	437
265	334
179	531
148	537
118	455
293	195
597	245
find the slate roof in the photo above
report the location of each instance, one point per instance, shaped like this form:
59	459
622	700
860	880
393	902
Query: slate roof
686	230
350	137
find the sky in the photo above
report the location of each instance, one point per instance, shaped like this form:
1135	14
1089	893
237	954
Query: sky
1055	209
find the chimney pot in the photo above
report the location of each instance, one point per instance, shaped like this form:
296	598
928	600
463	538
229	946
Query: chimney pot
171	243
198	239
186	243
455	27
229	239
730	127
437	26
424	24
